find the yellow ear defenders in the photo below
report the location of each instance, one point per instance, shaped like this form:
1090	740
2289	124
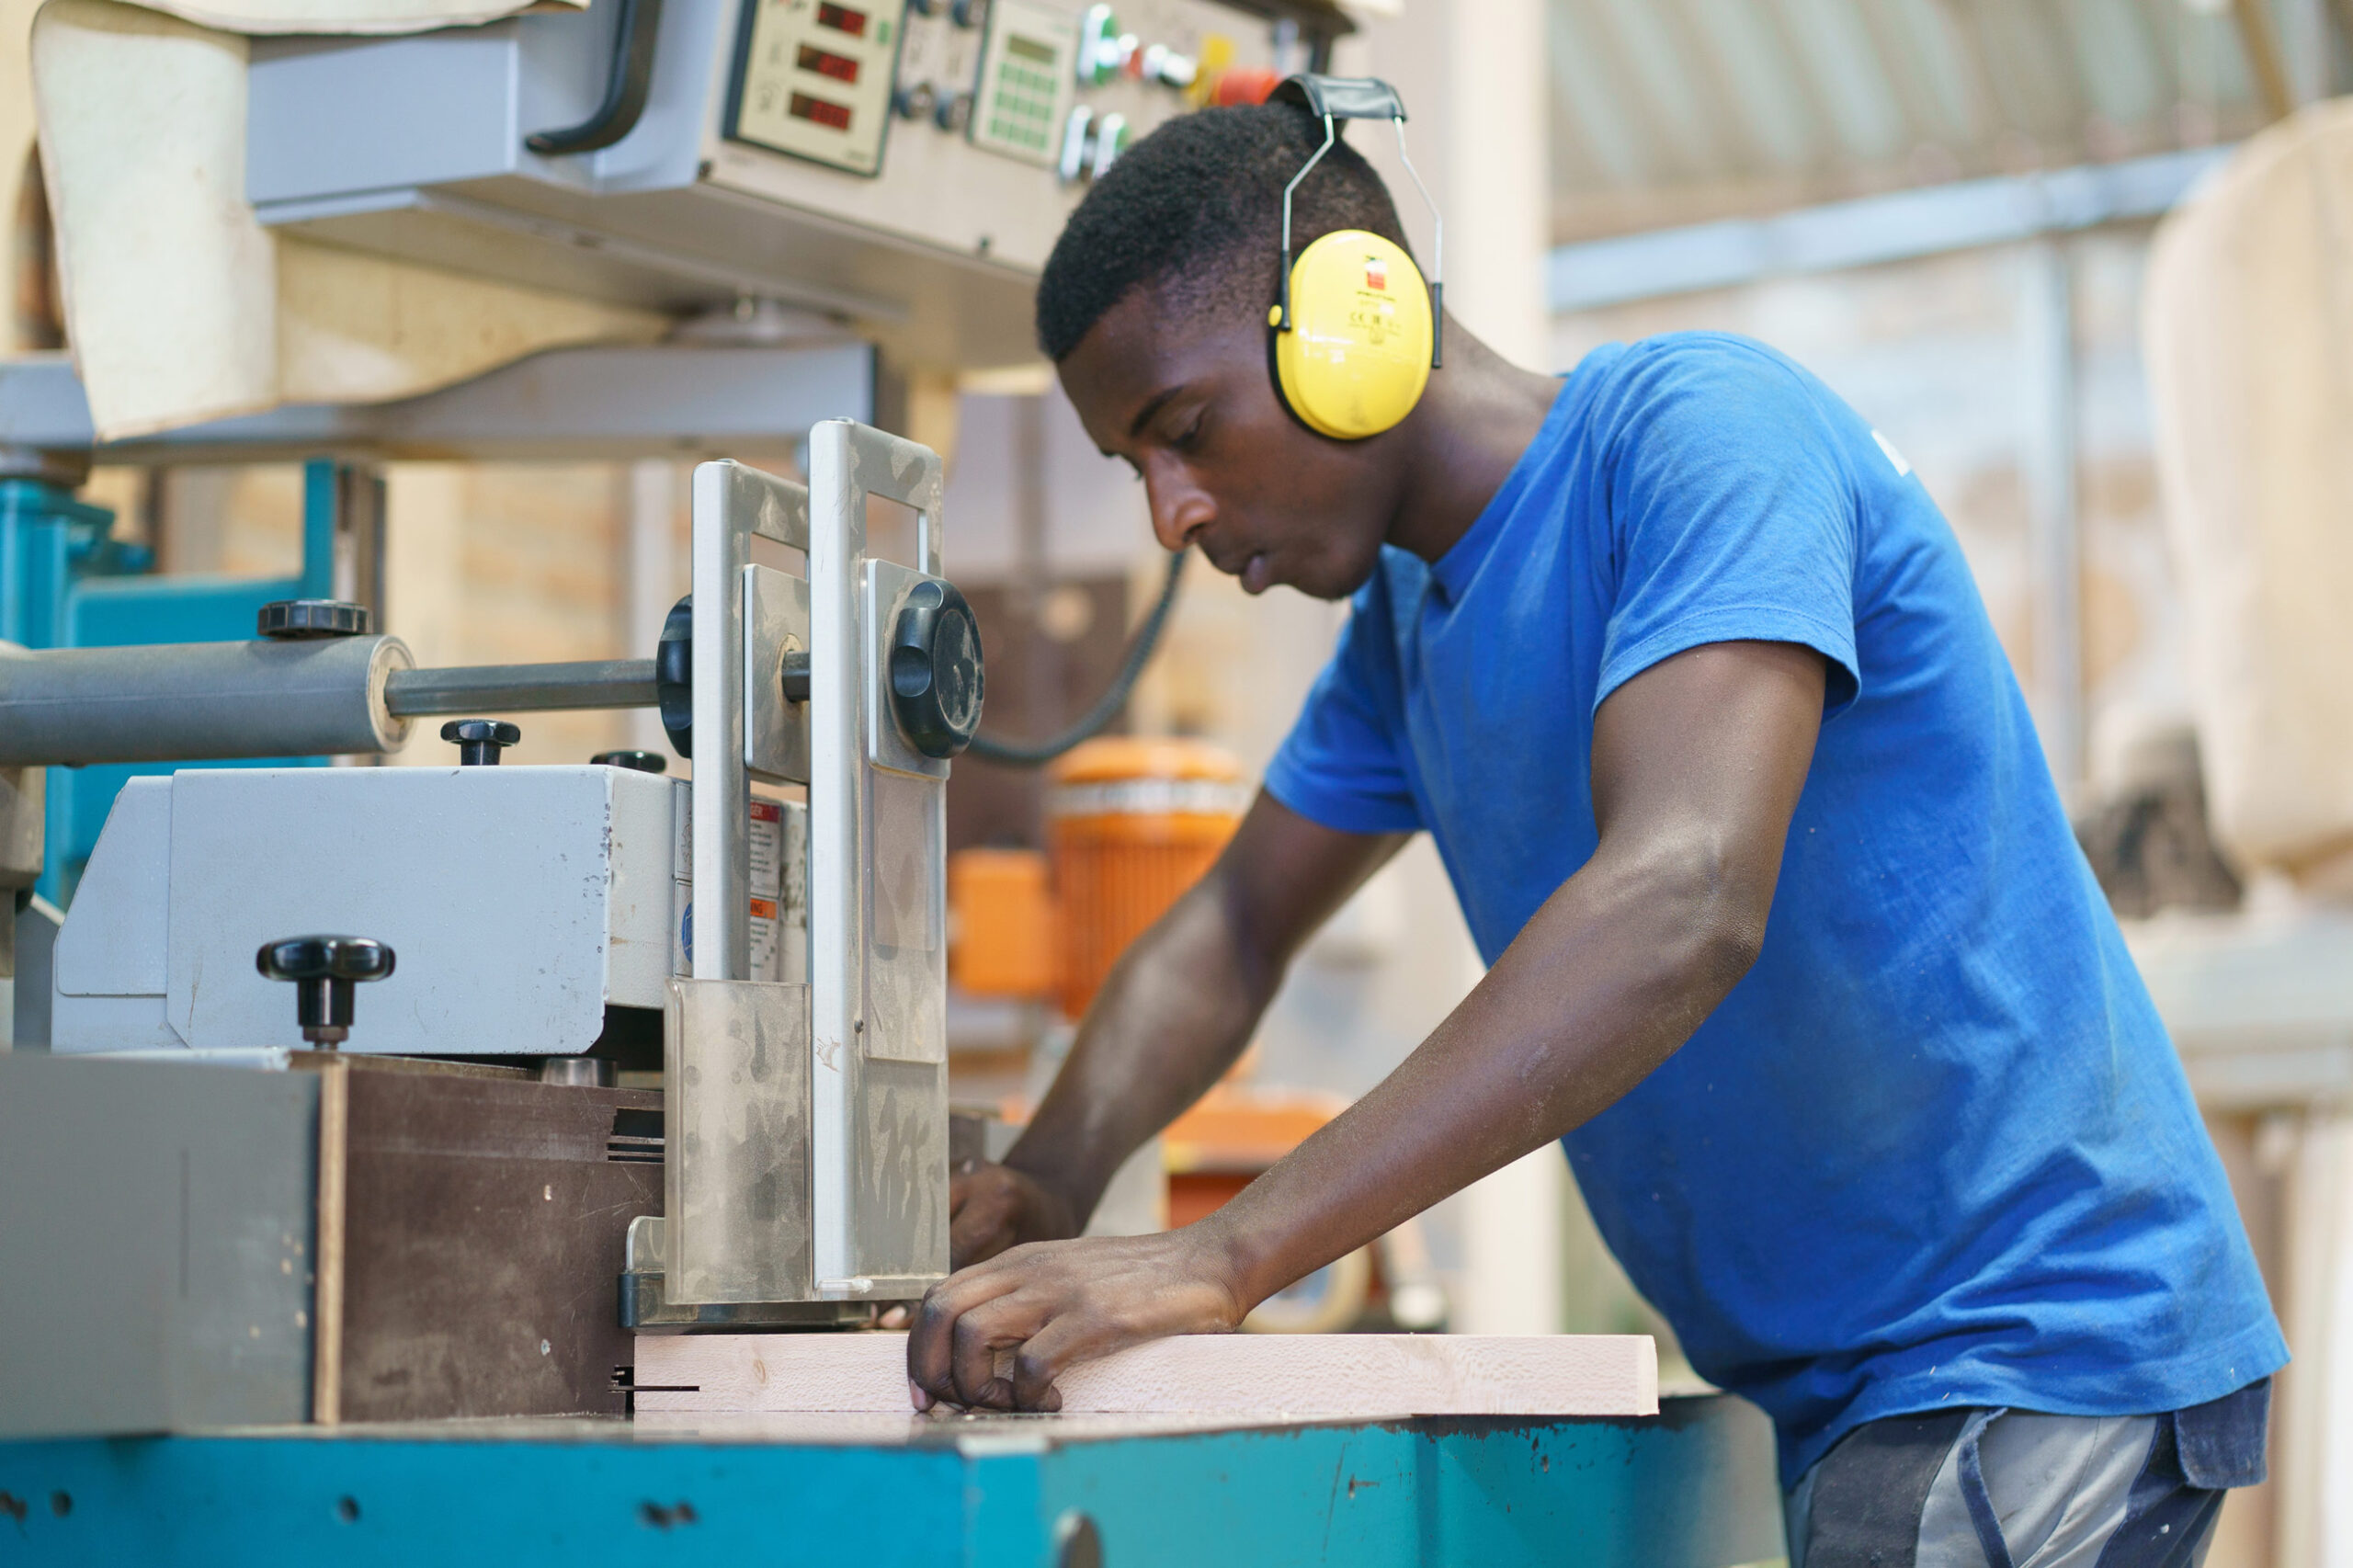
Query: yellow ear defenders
1354	334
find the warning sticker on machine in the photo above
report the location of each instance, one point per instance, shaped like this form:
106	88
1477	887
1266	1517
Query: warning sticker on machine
767	849
764	939
764	933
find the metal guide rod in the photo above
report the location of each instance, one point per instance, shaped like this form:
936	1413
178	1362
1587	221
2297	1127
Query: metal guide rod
520	689
201	701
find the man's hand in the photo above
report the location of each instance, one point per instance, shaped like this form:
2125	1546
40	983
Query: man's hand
991	1207
996	1336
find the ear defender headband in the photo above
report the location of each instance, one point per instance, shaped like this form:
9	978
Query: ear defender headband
1354	333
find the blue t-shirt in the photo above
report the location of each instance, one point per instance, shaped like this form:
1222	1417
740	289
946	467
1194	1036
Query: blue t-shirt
1936	1148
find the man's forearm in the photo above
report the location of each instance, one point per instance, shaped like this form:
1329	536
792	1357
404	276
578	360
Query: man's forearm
1608	979
1698	765
1176	1011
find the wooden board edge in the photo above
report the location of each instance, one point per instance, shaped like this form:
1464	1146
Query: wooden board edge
327	1248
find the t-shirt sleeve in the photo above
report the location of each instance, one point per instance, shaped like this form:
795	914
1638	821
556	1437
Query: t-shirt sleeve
1732	515
1342	764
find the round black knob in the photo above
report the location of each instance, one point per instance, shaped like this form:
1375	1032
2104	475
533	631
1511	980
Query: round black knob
297	620
673	675
479	739
324	969
635	761
936	669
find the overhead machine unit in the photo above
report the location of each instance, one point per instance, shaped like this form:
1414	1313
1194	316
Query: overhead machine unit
903	165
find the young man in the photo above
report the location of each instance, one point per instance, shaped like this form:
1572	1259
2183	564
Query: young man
1791	944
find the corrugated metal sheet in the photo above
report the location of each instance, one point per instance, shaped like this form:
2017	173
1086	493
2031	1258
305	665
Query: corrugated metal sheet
1676	111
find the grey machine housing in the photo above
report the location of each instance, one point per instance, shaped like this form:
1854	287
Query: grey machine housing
523	902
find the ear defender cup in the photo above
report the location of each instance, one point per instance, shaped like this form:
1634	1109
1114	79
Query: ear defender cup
1357	353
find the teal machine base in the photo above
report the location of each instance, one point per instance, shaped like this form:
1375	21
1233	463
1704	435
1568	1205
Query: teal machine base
1692	1487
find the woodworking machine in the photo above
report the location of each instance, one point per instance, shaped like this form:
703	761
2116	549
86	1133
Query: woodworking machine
793	953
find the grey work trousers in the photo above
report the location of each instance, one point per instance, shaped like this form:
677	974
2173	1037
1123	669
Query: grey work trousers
1983	1488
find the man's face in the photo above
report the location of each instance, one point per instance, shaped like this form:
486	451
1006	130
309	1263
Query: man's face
1183	398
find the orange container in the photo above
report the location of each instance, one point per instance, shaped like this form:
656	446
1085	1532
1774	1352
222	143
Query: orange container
1004	939
1131	823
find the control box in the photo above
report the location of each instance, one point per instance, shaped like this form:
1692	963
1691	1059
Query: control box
1025	83
813	79
899	167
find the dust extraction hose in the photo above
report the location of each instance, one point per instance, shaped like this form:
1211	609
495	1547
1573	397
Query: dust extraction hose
1091	723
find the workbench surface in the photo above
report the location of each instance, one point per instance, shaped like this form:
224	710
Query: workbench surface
1692	1486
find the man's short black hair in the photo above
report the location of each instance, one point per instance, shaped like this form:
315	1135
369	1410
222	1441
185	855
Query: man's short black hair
1195	210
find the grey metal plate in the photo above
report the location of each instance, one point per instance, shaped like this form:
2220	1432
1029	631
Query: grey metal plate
735	1180
156	1236
776	621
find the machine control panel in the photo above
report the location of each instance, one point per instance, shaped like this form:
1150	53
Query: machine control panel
939	63
902	166
813	79
1055	87
1026	81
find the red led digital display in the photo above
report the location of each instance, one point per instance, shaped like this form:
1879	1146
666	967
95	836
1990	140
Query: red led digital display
842	19
824	62
819	112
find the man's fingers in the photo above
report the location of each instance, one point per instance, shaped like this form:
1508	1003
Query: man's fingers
931	1348
1046	1355
979	1336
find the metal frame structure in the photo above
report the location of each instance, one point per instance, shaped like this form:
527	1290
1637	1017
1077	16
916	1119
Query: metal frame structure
824	1099
868	1050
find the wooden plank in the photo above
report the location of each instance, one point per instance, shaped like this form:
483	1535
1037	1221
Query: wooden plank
1338	1376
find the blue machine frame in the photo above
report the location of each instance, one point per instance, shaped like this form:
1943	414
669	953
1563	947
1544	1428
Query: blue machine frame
66	583
1692	1486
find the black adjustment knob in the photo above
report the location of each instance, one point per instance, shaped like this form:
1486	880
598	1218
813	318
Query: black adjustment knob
324	969
479	739
635	761
954	111
673	675
935	669
297	620
794	676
